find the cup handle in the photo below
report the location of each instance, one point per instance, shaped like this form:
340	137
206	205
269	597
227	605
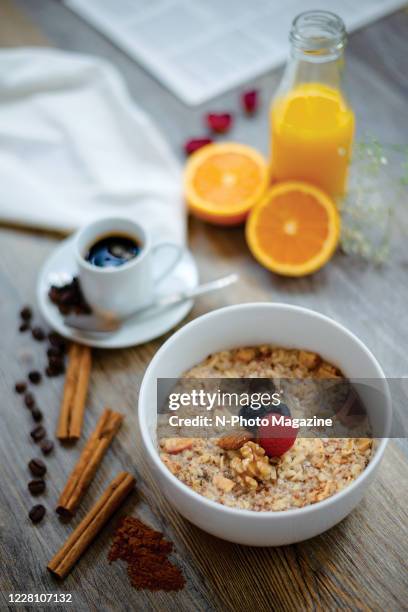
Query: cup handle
179	251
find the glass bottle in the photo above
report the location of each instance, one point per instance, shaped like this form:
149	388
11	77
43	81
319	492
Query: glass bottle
312	124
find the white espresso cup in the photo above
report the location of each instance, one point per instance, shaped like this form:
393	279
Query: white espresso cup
118	291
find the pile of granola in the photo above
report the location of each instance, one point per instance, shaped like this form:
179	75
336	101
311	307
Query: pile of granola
235	471
263	361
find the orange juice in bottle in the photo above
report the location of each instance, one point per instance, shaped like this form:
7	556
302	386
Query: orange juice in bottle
312	124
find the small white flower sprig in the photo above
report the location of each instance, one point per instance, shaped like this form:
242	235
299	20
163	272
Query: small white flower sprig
368	209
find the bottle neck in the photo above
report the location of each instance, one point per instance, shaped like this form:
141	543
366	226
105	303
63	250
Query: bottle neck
317	41
301	68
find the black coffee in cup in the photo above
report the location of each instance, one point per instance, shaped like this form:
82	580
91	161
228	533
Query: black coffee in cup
113	251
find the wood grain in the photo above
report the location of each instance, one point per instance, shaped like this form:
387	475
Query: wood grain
16	29
358	565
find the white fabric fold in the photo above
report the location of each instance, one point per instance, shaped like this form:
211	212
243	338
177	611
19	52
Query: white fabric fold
74	147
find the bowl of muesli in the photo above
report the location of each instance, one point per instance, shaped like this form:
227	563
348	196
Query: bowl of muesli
230	486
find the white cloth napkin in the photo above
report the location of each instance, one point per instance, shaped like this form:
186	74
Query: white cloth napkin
74	146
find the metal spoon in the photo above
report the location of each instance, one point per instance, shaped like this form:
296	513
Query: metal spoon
96	323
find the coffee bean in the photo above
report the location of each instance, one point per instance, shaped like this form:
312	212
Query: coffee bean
26	313
34	377
57	341
47	446
67	297
37	513
54	351
38	334
64	309
20	387
55	362
37	486
53	294
36	414
29	400
38	433
51	372
23	327
61	368
37	467
55	366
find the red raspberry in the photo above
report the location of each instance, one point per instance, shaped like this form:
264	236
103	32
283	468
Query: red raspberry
250	101
194	144
276	439
220	123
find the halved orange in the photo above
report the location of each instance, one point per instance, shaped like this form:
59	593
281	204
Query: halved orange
294	229
223	181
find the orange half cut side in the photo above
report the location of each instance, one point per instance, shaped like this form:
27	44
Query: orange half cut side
294	230
223	181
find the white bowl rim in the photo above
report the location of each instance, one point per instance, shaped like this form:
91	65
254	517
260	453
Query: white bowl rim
253	514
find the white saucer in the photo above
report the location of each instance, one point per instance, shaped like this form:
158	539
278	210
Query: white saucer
135	330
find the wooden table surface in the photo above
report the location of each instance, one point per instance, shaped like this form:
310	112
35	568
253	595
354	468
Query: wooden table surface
358	565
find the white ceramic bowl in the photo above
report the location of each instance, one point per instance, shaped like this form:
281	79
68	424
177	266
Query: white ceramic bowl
252	324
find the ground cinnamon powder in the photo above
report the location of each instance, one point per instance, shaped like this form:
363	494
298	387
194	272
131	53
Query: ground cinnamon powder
146	553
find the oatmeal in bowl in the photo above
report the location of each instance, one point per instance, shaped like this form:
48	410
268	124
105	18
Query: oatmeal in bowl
235	469
231	488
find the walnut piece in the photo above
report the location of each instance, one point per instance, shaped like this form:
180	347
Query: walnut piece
363	444
327	370
234	441
250	466
246	354
225	484
309	360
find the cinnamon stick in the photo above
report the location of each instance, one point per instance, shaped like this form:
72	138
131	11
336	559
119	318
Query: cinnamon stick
62	563
75	392
88	462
